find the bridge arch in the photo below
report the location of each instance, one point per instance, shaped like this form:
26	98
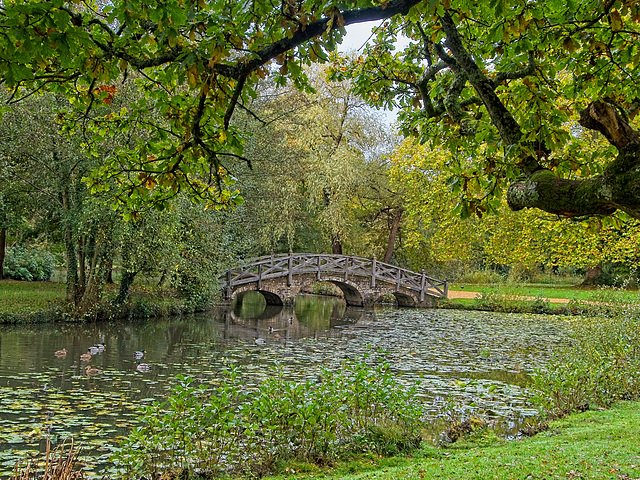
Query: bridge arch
280	278
349	289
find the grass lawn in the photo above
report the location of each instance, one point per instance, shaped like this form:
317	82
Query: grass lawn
594	445
546	291
26	298
19	297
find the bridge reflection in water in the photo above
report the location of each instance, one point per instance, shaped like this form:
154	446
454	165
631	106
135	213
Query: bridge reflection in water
363	281
312	316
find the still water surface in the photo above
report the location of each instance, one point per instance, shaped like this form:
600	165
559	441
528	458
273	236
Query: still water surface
478	361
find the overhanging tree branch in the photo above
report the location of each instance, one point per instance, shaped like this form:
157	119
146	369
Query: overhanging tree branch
618	187
501	117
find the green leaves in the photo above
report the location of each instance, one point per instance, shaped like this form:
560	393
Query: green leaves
227	426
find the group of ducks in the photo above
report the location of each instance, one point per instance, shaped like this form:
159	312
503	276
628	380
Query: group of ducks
99	348
276	336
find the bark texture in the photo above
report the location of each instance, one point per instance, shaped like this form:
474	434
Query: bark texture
3	246
617	188
393	233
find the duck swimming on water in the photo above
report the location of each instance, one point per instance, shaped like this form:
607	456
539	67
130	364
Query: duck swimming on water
91	371
143	367
61	353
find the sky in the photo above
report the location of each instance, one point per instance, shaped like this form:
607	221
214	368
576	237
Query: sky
357	35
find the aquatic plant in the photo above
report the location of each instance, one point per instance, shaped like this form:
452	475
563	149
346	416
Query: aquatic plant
211	429
60	463
600	366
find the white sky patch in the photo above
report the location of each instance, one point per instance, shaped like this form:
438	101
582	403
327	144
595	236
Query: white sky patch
356	38
359	33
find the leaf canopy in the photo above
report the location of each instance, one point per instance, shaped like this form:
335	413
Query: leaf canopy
497	81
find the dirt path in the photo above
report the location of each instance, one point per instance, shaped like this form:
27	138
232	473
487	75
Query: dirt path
466	294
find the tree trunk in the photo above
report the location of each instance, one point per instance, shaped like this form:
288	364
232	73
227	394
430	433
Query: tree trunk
3	246
109	274
591	275
70	254
95	280
82	267
617	188
336	244
162	278
395	226
125	286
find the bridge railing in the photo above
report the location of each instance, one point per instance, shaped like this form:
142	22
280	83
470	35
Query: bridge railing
287	265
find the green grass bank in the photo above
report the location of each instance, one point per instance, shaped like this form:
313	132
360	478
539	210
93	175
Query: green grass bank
32	302
597	444
37	302
541	298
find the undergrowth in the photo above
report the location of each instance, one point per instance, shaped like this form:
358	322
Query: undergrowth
601	364
209	430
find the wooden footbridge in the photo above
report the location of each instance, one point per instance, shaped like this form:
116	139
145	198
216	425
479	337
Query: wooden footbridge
363	281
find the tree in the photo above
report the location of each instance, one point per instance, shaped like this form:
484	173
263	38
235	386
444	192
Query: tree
495	80
41	179
318	168
433	234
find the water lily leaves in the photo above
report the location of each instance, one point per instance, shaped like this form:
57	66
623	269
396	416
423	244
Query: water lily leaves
474	360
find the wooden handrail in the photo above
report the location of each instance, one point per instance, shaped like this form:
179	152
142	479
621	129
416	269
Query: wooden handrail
288	265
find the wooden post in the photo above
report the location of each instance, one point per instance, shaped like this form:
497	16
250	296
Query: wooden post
228	294
397	279
346	269
259	276
373	272
422	286
446	288
318	272
290	268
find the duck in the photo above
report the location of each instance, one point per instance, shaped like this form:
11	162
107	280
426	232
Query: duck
91	371
259	341
61	353
143	367
277	336
93	350
85	357
100	347
138	354
290	320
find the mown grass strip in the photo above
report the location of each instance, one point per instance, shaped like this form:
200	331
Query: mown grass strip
535	290
594	445
23	297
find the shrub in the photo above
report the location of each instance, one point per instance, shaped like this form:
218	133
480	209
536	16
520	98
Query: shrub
208	430
600	366
521	273
30	264
480	277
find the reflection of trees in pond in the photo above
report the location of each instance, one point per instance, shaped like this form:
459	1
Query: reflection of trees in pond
249	304
317	312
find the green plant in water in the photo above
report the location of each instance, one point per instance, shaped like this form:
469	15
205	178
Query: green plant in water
600	366
225	428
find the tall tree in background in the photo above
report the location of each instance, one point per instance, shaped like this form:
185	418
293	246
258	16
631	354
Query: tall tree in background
495	80
41	175
434	235
318	160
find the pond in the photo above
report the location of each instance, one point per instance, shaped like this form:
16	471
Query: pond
473	361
